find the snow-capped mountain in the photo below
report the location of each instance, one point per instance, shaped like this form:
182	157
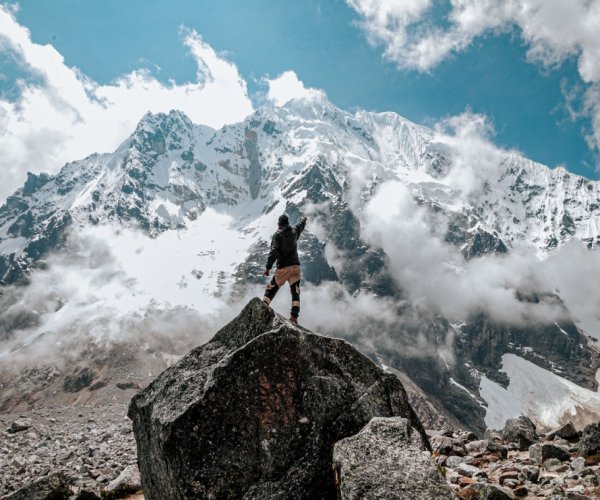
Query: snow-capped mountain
186	213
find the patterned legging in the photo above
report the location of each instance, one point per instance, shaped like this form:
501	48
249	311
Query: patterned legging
273	288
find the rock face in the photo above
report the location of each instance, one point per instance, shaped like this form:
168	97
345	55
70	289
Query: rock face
387	459
255	412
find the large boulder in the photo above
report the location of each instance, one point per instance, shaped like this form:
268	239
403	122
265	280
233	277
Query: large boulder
589	444
540	452
387	460
520	430
255	412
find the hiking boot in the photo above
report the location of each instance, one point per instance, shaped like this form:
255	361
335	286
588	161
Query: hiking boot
294	320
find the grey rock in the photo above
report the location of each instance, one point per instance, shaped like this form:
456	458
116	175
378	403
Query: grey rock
520	430
126	482
85	495
491	434
578	464
589	443
497	449
484	491
20	424
510	475
521	491
540	452
567	432
551	464
467	470
454	461
256	411
477	447
52	487
441	444
387	459
530	473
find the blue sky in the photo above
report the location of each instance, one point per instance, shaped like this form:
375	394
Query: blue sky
324	43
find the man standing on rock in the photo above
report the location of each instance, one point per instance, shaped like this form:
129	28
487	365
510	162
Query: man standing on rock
284	250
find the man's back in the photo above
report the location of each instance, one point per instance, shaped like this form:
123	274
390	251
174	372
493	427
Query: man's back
284	246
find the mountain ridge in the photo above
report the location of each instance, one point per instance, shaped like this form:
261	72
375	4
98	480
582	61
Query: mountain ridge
171	177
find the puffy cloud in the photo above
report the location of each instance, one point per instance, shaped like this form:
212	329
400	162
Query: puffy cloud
435	274
554	30
62	115
286	87
475	159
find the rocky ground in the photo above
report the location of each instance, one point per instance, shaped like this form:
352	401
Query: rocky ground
91	445
521	462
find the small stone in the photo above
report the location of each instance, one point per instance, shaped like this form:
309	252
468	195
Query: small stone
486	491
509	475
20	424
497	449
530	473
441	444
492	434
521	491
546	478
477	447
465	481
467	470
95	473
454	461
511	483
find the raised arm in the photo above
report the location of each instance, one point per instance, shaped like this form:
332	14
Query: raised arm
300	226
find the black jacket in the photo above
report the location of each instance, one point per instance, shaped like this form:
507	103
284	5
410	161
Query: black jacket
284	246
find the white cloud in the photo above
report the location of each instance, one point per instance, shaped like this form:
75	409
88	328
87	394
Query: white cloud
286	87
554	30
435	274
67	116
475	159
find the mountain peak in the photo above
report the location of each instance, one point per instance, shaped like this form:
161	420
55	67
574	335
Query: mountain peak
152	122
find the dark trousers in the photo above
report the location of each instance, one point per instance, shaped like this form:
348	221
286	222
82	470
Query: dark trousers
273	288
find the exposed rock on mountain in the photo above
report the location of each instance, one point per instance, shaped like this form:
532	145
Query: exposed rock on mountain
255	412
